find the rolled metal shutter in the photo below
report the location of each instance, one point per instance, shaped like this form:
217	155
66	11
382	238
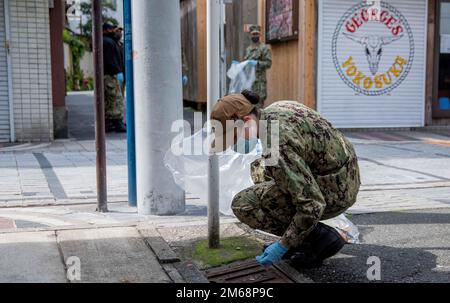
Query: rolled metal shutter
346	29
4	104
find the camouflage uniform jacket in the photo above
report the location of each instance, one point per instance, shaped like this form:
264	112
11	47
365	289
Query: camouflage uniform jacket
317	167
263	55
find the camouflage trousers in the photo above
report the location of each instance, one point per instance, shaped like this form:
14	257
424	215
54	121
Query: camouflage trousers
260	87
114	105
266	206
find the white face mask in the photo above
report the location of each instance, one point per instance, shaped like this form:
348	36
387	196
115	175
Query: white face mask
246	146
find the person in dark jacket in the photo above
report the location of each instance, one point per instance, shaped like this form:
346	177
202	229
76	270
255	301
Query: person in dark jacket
113	75
118	35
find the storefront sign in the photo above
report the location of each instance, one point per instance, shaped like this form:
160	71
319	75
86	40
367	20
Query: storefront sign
374	64
282	20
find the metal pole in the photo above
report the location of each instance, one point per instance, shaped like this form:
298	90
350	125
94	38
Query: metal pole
213	76
159	102
131	138
97	35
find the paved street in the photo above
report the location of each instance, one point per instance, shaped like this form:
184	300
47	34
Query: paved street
413	246
48	193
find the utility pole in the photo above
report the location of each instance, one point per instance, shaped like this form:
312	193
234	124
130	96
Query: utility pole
214	79
158	102
131	138
97	35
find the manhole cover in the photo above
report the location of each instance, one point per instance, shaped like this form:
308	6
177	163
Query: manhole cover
250	272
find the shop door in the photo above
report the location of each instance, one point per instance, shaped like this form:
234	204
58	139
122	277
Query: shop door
441	106
4	104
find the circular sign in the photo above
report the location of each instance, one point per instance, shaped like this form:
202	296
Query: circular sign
373	48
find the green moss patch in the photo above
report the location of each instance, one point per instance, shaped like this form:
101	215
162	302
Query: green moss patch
231	250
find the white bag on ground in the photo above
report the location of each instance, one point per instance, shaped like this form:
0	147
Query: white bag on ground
190	173
242	76
346	229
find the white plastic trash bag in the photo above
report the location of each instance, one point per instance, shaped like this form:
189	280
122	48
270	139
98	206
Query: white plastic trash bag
190	170
242	76
346	228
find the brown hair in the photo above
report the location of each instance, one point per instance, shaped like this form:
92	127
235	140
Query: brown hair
252	97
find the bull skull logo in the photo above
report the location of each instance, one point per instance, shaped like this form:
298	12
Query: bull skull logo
373	47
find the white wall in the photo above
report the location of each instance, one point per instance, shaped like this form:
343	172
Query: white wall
67	57
118	14
87	65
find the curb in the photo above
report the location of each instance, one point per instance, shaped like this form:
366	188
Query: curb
23	147
178	271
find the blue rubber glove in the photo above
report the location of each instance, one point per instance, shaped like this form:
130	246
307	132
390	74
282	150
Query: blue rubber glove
120	77
253	62
273	254
185	80
234	62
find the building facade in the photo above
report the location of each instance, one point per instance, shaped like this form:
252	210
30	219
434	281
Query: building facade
360	63
32	79
365	64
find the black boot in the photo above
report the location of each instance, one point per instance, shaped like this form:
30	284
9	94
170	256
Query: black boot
119	127
322	243
325	241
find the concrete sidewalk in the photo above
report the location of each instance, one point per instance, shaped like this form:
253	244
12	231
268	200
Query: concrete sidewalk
40	245
109	255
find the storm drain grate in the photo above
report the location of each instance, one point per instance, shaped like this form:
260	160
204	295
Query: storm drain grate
250	272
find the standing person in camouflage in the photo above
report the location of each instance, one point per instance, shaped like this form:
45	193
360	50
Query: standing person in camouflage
114	69
260	55
316	178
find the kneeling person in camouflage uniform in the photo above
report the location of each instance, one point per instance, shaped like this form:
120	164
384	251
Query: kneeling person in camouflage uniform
316	177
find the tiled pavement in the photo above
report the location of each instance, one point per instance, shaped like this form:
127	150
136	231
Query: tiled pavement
62	171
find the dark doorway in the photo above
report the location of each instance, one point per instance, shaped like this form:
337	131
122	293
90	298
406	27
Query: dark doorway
441	105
